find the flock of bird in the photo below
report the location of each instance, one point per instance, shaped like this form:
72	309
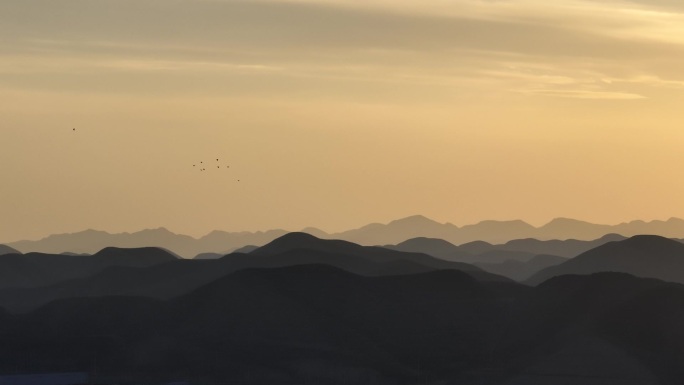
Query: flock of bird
202	168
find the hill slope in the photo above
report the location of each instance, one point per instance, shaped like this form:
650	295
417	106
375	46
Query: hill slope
647	256
319	324
37	269
177	277
4	249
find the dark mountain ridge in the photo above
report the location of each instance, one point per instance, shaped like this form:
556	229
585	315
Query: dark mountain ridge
495	232
520	271
176	277
4	249
471	252
319	324
38	269
294	243
648	256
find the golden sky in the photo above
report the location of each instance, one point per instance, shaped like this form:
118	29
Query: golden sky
337	113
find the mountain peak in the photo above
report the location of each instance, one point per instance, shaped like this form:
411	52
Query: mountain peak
158	230
141	253
4	249
613	237
650	241
415	220
297	237
650	256
289	241
566	221
422	241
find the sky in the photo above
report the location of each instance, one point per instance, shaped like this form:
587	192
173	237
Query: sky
336	113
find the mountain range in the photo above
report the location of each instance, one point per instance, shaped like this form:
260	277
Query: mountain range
4	249
38	269
518	249
647	256
32	280
167	277
319	324
392	233
302	309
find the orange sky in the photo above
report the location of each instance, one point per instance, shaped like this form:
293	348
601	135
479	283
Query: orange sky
338	113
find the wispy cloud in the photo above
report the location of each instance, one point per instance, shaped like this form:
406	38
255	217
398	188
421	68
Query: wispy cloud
585	94
521	44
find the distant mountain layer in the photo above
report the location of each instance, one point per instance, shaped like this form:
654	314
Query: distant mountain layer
519	249
316	324
4	249
517	259
91	241
503	231
521	270
38	269
647	256
489	232
177	277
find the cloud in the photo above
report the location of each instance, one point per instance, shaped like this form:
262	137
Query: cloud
586	94
512	44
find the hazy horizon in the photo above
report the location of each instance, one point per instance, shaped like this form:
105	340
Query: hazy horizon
332	232
336	114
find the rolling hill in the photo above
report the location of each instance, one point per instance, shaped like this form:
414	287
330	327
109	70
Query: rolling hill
38	269
8	250
646	256
316	323
177	277
392	233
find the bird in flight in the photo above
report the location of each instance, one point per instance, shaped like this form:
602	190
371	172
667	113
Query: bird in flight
219	166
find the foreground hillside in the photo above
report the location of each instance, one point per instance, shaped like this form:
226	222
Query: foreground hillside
169	277
305	310
647	256
319	324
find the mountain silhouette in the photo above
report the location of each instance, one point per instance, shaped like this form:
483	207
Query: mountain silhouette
517	249
320	324
647	256
91	241
575	322
177	277
477	247
288	324
565	248
37	269
294	243
246	249
521	270
8	250
240	250
397	231
499	232
392	233
432	246
209	256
